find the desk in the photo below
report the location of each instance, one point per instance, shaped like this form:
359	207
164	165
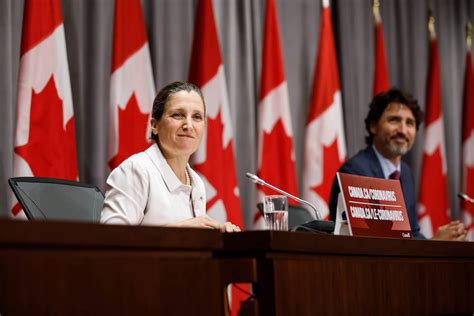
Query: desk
309	274
49	268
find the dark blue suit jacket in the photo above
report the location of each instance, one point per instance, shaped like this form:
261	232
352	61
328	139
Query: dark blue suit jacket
366	163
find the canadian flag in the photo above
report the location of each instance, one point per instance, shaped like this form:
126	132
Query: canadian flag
45	143
433	205
467	154
276	160
131	85
214	159
325	147
381	81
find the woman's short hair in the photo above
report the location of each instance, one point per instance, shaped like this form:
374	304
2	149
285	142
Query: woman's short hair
159	104
382	100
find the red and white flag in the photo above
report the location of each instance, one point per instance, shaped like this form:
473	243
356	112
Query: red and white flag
381	81
132	89
467	154
214	159
325	146
276	158
45	144
433	205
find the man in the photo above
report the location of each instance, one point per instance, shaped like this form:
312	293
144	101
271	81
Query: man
393	119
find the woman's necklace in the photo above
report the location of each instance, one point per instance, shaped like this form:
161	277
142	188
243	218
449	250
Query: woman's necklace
188	182
188	178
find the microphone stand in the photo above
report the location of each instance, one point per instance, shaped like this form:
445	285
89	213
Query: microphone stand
257	180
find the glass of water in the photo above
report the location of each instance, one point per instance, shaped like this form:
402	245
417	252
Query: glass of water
275	209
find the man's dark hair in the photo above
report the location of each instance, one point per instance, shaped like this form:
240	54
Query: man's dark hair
161	98
382	100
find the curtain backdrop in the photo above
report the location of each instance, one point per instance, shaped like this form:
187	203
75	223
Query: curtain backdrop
88	29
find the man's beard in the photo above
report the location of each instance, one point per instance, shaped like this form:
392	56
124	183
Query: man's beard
398	150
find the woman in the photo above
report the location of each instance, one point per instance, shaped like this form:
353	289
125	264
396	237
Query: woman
157	186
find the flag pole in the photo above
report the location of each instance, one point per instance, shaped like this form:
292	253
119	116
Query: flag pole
431	23
468	35
376	10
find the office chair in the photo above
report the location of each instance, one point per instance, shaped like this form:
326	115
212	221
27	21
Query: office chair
57	199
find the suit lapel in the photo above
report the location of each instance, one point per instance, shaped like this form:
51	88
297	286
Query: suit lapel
374	162
404	175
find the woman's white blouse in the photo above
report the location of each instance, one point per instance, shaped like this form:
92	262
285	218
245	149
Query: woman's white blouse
143	190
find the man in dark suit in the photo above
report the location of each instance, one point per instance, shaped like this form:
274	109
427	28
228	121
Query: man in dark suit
393	119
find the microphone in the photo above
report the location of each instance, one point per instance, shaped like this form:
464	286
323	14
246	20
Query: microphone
465	197
257	180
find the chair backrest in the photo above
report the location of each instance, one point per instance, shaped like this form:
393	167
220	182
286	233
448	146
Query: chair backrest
297	215
57	199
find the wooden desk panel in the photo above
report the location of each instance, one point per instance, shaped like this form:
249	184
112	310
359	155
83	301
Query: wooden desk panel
59	268
308	274
87	269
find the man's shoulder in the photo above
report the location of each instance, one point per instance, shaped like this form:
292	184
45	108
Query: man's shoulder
362	156
360	163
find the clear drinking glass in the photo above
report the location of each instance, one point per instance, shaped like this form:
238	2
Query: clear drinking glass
275	209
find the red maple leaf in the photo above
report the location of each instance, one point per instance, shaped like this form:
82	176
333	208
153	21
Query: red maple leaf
330	165
51	148
132	125
219	170
433	190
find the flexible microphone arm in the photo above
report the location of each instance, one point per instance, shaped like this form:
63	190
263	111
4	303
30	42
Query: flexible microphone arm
257	180
465	197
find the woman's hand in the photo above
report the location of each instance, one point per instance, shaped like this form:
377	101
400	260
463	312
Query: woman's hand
204	221
228	227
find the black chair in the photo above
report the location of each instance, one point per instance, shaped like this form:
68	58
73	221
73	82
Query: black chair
57	199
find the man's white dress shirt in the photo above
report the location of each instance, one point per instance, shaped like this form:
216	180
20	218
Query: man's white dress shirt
387	166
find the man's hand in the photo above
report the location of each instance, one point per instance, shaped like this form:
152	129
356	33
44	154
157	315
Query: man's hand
452	231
